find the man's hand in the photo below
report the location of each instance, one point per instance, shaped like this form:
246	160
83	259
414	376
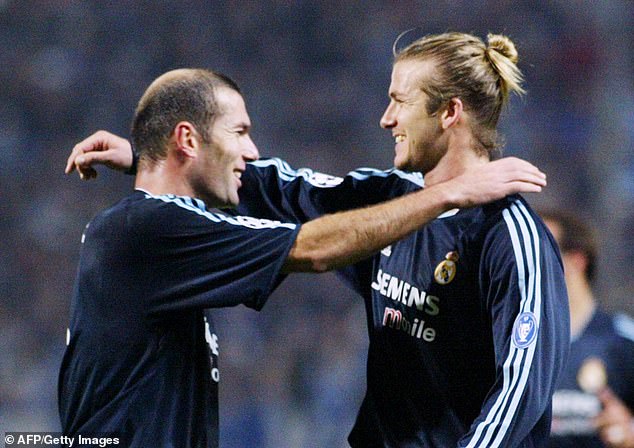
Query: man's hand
615	423
493	181
100	148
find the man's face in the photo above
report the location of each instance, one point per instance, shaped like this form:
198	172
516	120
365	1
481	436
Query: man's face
216	178
416	133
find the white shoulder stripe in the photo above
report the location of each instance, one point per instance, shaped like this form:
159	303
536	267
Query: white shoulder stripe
624	326
323	180
367	173
517	365
532	304
198	207
289	174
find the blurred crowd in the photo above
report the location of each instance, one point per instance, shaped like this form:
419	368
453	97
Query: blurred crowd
315	76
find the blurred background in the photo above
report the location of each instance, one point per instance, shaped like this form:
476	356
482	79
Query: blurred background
315	75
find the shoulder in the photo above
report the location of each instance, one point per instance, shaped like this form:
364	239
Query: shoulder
511	216
184	211
511	229
115	214
282	170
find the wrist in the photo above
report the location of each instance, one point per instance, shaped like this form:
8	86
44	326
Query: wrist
443	196
135	161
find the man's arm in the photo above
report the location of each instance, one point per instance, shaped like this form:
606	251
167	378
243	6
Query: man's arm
522	280
271	188
343	238
615	423
103	148
347	237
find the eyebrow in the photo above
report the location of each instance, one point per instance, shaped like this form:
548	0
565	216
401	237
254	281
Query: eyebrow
398	96
243	125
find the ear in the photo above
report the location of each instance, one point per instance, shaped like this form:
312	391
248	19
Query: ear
452	113
187	139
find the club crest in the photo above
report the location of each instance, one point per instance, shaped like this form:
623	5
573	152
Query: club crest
524	330
446	269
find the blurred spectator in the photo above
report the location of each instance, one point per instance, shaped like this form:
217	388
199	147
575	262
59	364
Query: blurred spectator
593	404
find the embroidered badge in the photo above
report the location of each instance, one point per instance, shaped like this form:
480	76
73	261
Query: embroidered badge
446	269
524	330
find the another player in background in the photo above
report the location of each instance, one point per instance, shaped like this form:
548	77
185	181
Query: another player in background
593	402
467	317
141	360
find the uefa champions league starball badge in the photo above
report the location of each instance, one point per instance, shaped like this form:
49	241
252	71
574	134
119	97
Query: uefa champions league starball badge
446	269
592	375
524	330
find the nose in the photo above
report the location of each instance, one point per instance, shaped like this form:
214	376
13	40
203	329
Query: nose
388	120
251	151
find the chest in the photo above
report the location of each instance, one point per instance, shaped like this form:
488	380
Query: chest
426	286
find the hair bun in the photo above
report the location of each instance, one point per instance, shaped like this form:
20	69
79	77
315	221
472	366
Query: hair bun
502	45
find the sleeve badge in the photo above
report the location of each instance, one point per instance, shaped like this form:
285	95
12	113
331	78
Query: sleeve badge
524	330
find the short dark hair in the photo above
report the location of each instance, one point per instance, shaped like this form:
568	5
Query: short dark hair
576	236
178	95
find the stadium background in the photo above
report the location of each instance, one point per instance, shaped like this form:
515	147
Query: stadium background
315	75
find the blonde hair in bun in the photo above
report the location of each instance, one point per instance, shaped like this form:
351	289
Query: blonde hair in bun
482	76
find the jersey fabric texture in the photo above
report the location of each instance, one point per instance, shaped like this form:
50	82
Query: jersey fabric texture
141	359
467	317
607	344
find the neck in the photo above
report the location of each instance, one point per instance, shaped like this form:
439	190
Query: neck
159	179
461	154
582	305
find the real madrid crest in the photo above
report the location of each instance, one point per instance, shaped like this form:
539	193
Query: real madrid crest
446	269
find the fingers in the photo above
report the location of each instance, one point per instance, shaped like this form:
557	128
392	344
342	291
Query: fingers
92	143
87	152
518	170
606	396
70	163
524	187
515	165
89	159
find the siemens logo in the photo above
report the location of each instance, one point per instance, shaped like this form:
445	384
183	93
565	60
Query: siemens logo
405	293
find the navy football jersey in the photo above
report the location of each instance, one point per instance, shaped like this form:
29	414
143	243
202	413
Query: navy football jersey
604	353
467	317
141	358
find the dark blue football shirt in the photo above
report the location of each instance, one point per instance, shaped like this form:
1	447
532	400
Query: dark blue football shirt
605	347
142	360
467	317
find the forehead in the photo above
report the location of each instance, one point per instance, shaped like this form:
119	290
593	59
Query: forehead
409	74
231	106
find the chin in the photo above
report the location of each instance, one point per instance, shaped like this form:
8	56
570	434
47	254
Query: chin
403	165
233	201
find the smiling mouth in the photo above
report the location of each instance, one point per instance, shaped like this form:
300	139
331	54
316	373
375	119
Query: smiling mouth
399	138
